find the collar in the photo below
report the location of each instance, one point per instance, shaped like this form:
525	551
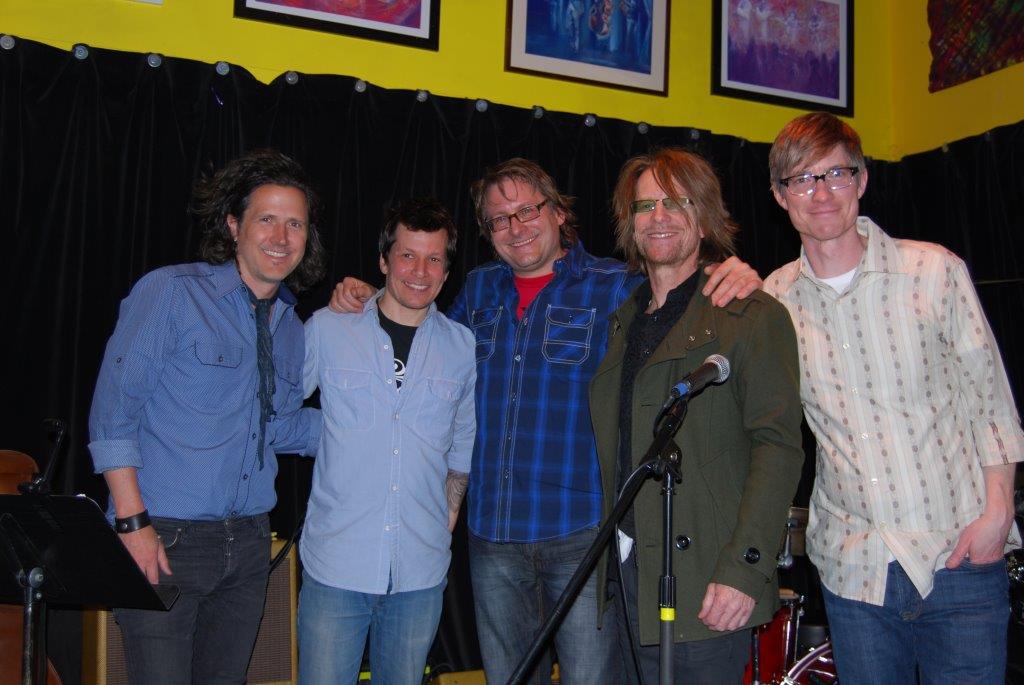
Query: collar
695	328
226	279
880	256
372	306
682	292
571	262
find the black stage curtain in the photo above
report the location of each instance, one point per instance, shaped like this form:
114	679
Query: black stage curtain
98	156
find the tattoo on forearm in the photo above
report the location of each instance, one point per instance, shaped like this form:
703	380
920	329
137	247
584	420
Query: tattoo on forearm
455	488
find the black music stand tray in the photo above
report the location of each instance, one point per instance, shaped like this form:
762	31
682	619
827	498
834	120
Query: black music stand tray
61	549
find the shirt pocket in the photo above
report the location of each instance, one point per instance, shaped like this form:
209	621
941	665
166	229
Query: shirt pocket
348	400
216	374
567	334
436	417
288	376
485	329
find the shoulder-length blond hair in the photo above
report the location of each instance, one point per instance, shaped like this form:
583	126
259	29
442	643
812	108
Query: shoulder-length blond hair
675	169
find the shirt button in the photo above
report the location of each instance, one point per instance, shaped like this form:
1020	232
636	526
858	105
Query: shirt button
387	527
518	357
253	436
506	473
846	346
394	451
386	347
388	381
863	436
853	390
245	476
394	488
396	416
233	513
525	320
220	358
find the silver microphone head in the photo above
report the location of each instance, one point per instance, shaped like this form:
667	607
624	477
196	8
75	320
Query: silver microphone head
723	366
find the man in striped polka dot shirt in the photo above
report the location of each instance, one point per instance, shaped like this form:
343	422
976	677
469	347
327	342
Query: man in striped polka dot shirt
918	436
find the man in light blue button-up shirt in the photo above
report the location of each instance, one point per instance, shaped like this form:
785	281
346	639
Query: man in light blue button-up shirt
396	387
199	389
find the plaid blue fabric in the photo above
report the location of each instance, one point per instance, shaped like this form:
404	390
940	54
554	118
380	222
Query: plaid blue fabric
535	470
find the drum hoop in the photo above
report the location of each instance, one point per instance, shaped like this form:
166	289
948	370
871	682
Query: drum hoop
801	665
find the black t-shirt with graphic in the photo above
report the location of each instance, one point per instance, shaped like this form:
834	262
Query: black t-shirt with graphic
401	342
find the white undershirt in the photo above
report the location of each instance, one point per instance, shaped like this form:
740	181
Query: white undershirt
841	282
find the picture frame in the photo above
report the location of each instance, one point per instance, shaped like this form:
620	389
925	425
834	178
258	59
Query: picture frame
406	22
618	43
797	53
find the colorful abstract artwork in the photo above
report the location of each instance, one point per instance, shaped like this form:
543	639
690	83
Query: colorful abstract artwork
790	52
411	22
614	42
970	39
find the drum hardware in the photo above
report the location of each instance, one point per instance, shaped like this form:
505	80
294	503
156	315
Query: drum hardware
775	646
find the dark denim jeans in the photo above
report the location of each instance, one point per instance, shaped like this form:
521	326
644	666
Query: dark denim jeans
332	633
715	661
515	585
208	635
955	635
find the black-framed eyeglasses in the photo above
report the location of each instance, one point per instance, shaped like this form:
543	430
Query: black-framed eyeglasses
670	205
836	178
496	224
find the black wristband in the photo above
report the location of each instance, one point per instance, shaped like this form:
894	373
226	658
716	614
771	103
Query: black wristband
132	523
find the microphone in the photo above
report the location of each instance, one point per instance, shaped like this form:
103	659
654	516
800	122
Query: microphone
715	369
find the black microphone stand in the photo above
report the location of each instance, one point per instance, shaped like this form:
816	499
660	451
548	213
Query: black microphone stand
660	461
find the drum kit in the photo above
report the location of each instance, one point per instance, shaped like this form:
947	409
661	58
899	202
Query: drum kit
785	652
790	652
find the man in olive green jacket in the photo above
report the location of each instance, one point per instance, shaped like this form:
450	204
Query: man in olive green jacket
741	441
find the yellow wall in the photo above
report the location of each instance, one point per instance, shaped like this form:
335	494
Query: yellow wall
894	113
924	120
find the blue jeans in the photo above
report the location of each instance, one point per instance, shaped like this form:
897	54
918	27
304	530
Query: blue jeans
207	637
514	587
955	635
332	633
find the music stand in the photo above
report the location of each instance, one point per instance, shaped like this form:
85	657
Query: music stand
61	549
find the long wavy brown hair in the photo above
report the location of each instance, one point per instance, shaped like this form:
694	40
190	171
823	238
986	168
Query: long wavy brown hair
227	192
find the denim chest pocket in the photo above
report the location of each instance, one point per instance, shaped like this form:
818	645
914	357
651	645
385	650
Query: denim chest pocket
567	334
287	378
435	420
218	354
347	398
485	329
210	371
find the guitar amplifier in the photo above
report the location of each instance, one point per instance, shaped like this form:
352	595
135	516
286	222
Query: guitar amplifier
275	657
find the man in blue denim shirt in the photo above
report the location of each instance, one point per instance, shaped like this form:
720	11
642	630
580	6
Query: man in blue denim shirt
539	316
199	389
396	386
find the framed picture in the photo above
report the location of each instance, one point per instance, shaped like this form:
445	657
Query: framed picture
407	22
797	53
621	43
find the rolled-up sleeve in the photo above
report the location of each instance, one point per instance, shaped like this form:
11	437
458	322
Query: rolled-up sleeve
130	373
